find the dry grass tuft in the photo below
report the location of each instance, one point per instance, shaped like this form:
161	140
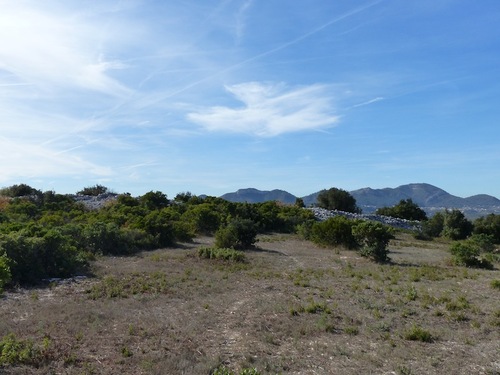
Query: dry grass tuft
289	308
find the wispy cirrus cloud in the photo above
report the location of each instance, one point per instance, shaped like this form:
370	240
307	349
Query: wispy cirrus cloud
52	48
269	110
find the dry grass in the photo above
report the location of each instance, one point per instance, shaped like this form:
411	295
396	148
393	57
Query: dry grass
291	308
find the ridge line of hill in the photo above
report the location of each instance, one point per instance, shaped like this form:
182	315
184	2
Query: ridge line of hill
430	198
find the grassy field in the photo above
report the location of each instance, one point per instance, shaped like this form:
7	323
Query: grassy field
289	308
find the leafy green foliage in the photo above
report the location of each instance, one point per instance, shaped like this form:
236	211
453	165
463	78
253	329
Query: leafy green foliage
94	190
456	226
489	225
203	218
337	199
134	284
468	253
45	235
154	200
373	238
14	351
21	190
417	333
405	209
221	254
432	227
333	232
44	255
299	202
5	275
108	239
238	234
484	242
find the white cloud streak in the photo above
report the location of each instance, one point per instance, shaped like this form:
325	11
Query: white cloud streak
368	102
53	49
270	110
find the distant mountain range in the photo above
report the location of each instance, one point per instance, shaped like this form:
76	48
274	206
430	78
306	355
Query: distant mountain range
430	198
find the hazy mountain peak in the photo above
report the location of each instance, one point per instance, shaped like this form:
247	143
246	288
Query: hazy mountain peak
427	196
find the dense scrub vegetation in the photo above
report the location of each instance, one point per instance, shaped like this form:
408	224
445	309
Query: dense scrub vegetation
370	238
45	235
405	209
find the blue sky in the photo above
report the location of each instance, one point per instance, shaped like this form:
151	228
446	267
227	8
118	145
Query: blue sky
210	96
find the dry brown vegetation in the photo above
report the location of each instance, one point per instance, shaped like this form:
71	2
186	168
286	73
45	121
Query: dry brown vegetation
290	308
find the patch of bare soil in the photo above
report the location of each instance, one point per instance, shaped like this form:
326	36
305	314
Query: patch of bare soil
291	308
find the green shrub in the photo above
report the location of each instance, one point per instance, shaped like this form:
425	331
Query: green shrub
291	217
456	226
105	239
495	284
373	238
203	218
405	209
134	284
154	200
417	333
467	254
238	234
94	190
490	225
337	199
333	232
484	242
14	351
20	190
46	255
5	275
221	253
432	227
304	229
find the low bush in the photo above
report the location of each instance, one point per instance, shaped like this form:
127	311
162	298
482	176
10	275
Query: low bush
468	254
495	284
124	287
405	209
5	275
14	351
238	234
333	232
221	254
34	257
417	333
373	239
223	370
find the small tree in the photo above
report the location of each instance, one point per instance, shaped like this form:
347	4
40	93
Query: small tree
432	227
21	190
405	209
456	226
239	233
373	237
154	200
299	202
94	190
489	225
337	199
